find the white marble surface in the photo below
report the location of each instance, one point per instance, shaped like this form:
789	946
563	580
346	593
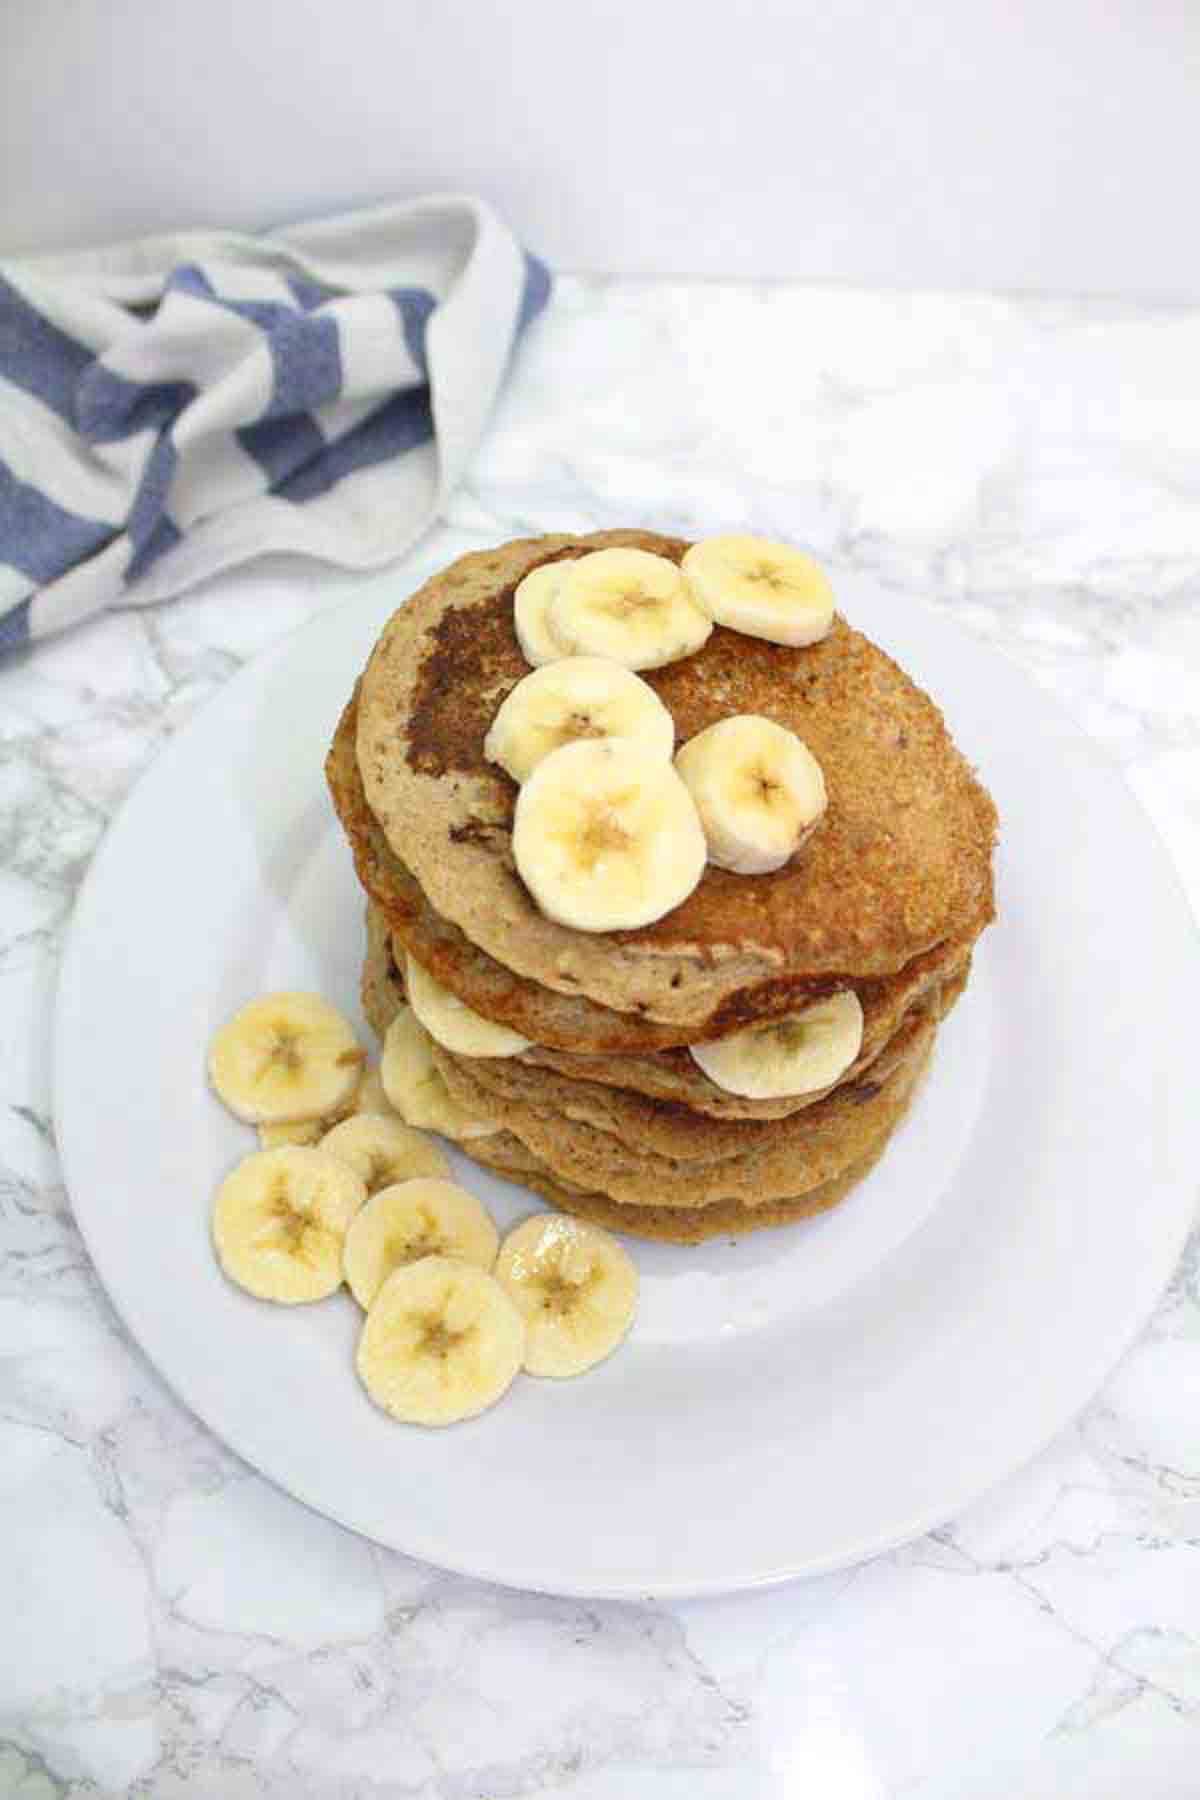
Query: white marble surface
173	1625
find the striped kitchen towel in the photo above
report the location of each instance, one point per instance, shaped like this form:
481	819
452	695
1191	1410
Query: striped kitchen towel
172	407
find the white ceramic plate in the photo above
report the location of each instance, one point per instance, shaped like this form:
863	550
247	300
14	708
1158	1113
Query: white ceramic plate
787	1403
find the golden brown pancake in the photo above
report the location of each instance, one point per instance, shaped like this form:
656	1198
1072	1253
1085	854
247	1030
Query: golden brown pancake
674	1076
569	1022
663	1127
508	1156
481	981
668	1128
681	1219
668	1224
787	1157
900	863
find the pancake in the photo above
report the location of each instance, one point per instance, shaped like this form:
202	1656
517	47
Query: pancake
380	988
673	1075
788	1158
382	995
901	860
668	1128
672	1225
662	1127
550	1018
571	1023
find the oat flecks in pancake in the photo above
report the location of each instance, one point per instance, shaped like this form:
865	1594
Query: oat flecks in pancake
901	860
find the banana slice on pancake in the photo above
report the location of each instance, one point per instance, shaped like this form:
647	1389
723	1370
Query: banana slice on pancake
606	836
579	697
452	1023
760	587
799	1054
758	789
530	606
628	605
414	1085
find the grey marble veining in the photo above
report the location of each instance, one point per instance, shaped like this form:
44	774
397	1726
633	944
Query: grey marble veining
175	1626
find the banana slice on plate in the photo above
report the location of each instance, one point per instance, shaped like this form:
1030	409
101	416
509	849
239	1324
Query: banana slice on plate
762	588
279	1221
411	1219
383	1151
758	789
797	1055
606	836
414	1085
530	604
311	1131
579	697
442	1342
285	1057
575	1286
453	1024
292	1131
628	605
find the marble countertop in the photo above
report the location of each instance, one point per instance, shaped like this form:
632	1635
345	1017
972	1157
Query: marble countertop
174	1625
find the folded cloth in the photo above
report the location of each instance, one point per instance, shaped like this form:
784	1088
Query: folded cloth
172	407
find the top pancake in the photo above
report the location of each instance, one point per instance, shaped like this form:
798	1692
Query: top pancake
901	859
571	1023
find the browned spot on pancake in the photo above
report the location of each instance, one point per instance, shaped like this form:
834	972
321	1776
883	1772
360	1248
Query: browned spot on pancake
771	998
473	662
477	831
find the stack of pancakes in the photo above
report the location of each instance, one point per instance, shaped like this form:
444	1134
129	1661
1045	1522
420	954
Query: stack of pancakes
606	1114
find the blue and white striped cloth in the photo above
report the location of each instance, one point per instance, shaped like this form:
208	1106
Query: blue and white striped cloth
173	407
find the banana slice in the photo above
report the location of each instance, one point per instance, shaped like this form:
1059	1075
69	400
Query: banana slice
576	1288
383	1151
797	1055
279	1220
414	1086
758	789
606	836
292	1131
579	697
284	1058
311	1131
451	1023
628	605
442	1342
760	587
530	603
409	1220
371	1097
